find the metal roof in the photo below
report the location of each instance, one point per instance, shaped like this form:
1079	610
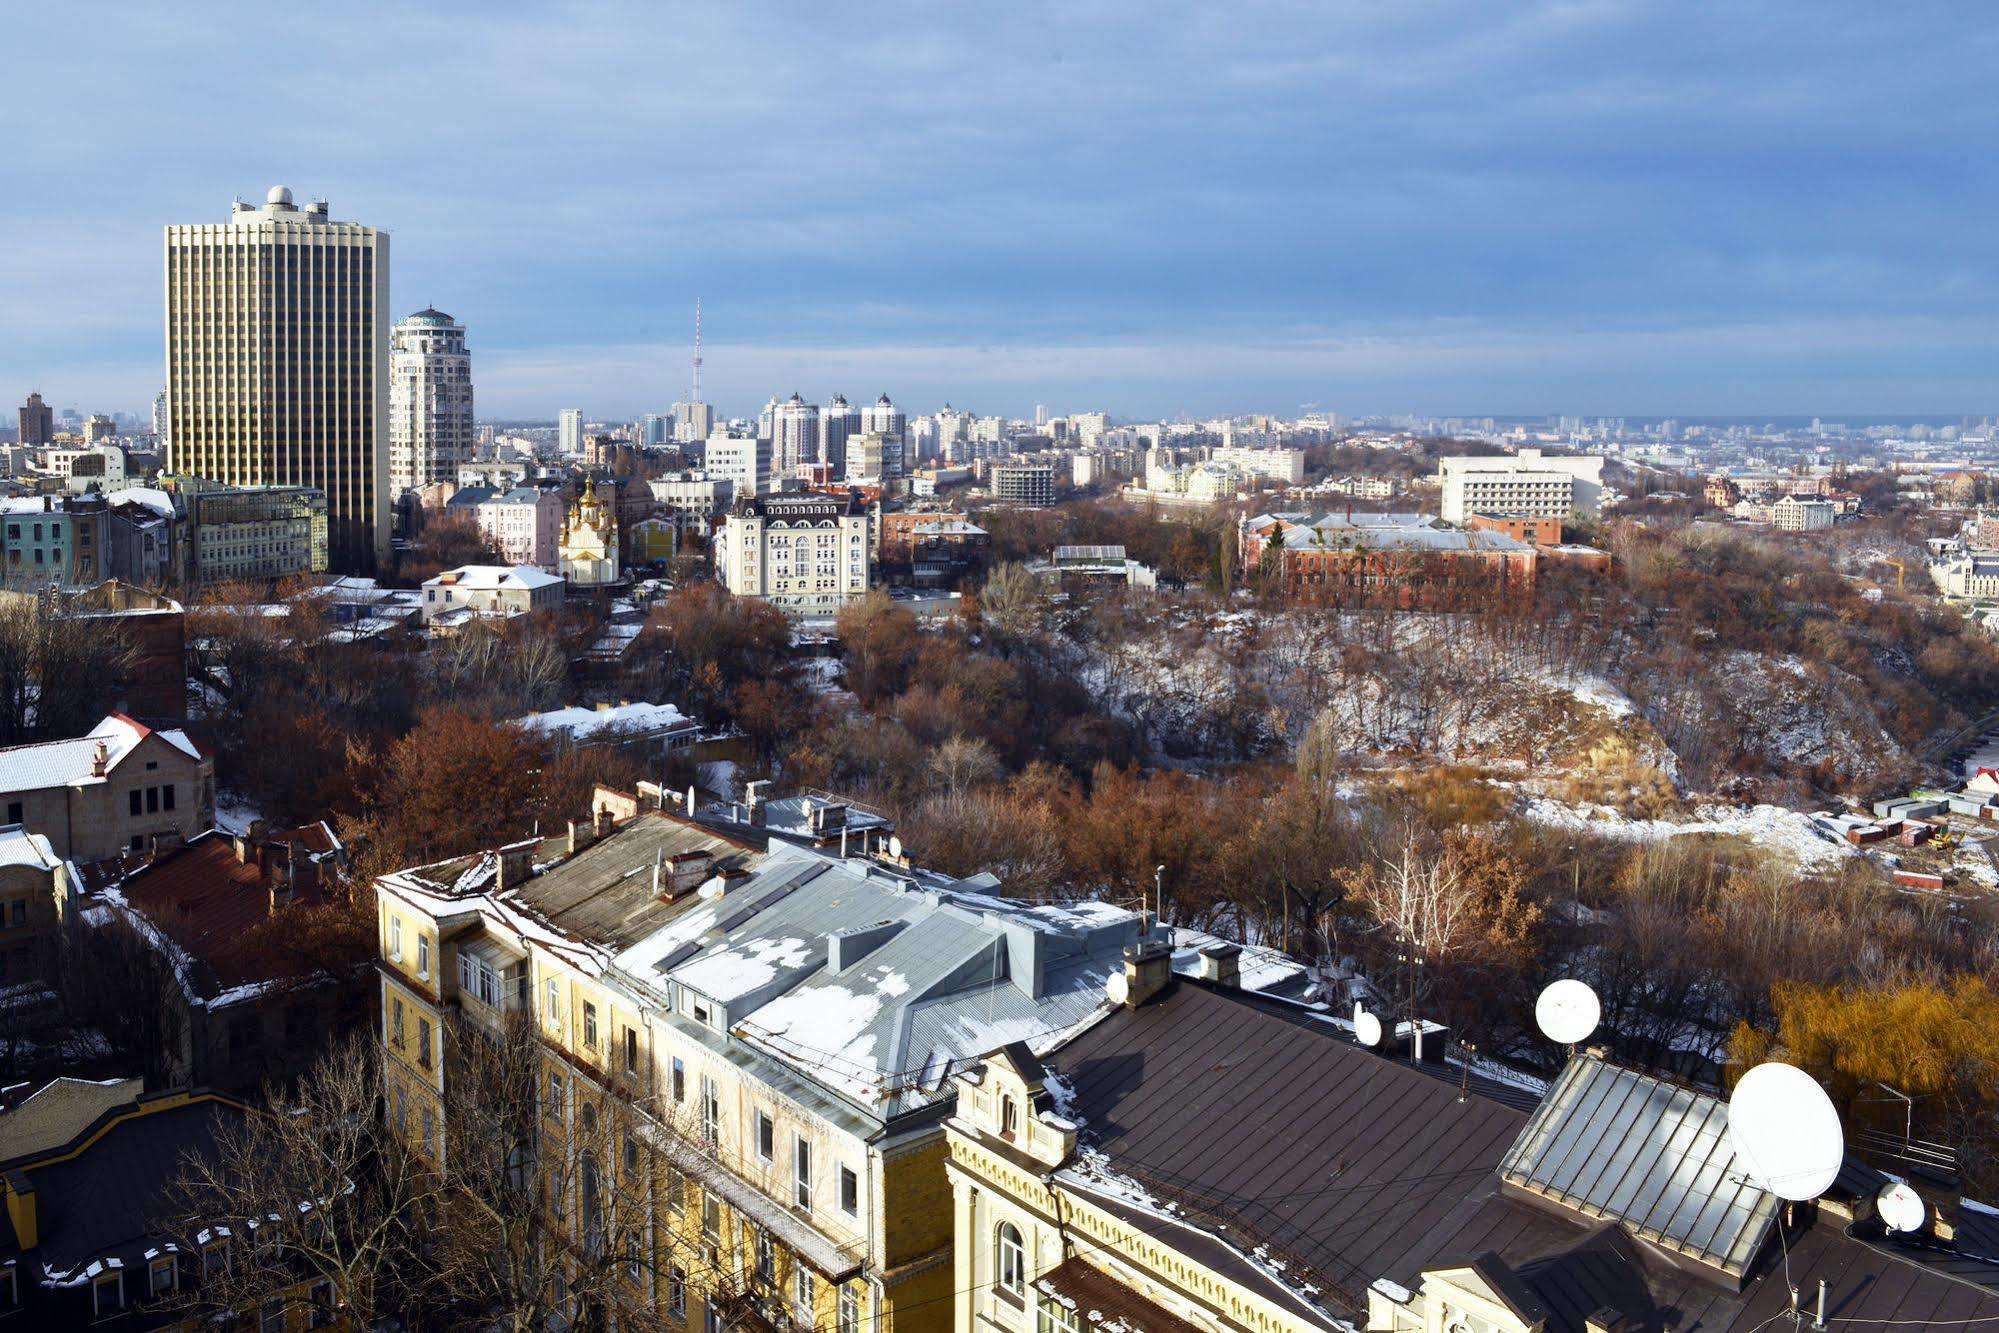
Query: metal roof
1609	1142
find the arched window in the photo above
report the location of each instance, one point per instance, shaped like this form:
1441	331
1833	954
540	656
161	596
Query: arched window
1010	1259
520	1162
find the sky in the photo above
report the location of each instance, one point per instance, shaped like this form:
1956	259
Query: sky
1148	208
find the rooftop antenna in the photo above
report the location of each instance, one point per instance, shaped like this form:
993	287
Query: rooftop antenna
695	392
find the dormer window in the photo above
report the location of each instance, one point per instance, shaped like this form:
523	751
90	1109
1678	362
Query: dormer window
1009	1117
107	1294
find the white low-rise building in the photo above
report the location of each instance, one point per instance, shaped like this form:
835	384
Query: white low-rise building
500	591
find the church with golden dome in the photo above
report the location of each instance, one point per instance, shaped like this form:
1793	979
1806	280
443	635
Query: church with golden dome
589	547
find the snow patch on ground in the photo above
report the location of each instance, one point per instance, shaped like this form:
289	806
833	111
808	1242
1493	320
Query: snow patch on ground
1768	826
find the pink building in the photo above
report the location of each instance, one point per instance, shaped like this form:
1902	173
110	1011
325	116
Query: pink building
524	525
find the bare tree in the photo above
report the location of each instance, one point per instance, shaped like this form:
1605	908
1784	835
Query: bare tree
58	673
319	1198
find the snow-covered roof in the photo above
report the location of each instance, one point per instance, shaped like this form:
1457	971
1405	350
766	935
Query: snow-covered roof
72	762
18	847
493	577
159	501
580	723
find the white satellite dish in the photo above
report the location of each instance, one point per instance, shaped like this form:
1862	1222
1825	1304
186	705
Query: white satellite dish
1117	987
1901	1208
1784	1128
1568	1011
894	848
1367	1029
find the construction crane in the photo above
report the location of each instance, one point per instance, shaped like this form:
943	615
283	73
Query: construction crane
1901	573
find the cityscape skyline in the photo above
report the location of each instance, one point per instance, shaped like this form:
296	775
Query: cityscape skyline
1287	207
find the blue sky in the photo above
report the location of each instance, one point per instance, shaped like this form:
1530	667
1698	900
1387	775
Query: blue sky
1148	208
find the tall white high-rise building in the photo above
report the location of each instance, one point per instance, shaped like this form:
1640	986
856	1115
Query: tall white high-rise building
277	357
794	434
656	430
430	401
885	419
570	440
160	419
838	423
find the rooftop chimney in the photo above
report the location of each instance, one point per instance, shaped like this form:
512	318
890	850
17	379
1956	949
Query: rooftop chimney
100	760
581	835
688	871
1222	964
1148	969
516	865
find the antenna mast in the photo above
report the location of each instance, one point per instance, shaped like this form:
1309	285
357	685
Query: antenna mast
695	394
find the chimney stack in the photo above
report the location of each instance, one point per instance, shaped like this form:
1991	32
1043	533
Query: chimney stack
1222	964
1148	970
100	760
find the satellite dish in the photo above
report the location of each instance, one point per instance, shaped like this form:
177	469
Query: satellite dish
1568	1011
1117	987
1900	1207
1367	1029
1784	1129
894	848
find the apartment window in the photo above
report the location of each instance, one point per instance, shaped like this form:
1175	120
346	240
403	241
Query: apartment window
679	1080
215	1258
271	1319
766	1136
590	1025
18	912
801	1290
423	956
711	1217
395	938
676	1191
402	1110
136	800
1009	1117
676	1292
423	1042
850	1308
554	1107
396	1022
850	1191
160	1275
429	1133
631	1052
319	1305
552	1001
1010	1261
801	1172
13	812
711	1110
634	1257
1052	1316
766	1258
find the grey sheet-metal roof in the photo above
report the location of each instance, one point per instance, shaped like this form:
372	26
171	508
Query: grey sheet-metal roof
1609	1142
876	981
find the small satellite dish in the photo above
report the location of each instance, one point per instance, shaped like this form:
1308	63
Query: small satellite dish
1900	1207
894	848
1568	1011
1784	1128
1117	987
1367	1029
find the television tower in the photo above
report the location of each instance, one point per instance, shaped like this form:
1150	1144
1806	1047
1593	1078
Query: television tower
695	393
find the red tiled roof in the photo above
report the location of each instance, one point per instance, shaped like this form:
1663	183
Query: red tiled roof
208	900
